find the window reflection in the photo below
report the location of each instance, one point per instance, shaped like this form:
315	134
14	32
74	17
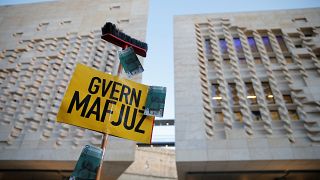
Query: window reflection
223	46
282	44
267	44
238	45
252	44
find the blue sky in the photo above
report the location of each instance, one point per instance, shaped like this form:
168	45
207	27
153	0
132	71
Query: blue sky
159	63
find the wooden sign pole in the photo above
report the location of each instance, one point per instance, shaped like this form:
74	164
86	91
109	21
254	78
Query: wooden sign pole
105	135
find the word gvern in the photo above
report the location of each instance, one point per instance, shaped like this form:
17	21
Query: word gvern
101	102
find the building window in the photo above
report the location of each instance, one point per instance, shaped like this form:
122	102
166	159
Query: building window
216	95
256	115
267	91
252	44
233	94
307	31
273	60
300	19
223	46
238	45
258	60
218	116
282	44
275	116
267	44
287	99
238	116
289	59
242	60
207	46
252	98
298	45
293	115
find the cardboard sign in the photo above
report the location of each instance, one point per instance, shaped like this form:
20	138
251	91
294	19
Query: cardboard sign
108	104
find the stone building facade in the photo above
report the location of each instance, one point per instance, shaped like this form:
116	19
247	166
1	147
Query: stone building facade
39	46
247	94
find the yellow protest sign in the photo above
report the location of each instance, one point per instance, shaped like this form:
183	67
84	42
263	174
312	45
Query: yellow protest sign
105	103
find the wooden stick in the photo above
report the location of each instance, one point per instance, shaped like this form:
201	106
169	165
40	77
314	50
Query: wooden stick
105	135
103	147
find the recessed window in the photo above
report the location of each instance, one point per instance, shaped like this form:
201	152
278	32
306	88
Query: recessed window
256	115
218	117
307	31
251	96
238	45
289	59
287	99
273	60
267	43
258	60
216	95
252	44
223	46
207	46
275	116
300	19
238	116
293	115
267	91
242	60
282	43
115	7
298	45
233	94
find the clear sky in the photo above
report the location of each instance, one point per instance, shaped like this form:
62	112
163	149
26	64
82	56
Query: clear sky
159	63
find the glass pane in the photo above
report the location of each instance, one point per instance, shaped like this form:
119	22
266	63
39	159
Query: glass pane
282	44
223	46
252	44
216	97
267	43
238	45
